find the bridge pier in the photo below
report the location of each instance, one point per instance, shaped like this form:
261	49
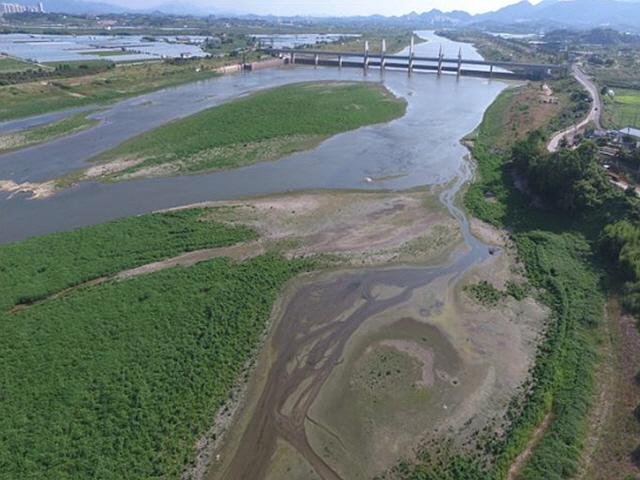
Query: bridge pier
440	63
366	55
411	54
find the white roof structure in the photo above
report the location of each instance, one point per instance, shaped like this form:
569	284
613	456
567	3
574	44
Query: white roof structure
633	132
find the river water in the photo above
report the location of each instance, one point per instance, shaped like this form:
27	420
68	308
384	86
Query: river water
422	148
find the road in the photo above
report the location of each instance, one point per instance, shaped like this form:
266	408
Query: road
592	117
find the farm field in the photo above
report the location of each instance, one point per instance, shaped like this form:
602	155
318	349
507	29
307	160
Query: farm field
623	110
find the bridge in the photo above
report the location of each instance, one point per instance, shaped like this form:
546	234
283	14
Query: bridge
440	64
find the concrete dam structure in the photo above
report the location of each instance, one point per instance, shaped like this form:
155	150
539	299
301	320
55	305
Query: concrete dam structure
440	64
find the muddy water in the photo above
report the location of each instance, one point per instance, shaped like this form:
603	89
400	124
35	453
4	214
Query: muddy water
309	342
421	148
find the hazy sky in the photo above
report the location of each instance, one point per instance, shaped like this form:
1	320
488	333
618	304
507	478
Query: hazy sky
331	7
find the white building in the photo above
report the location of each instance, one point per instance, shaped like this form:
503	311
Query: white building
8	8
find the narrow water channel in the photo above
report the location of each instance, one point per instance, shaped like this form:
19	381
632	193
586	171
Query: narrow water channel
309	341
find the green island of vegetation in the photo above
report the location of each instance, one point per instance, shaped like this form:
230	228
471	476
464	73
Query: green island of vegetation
108	53
119	380
46	133
263	126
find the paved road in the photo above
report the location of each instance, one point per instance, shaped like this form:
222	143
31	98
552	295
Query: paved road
592	117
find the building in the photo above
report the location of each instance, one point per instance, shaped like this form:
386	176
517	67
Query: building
629	137
9	8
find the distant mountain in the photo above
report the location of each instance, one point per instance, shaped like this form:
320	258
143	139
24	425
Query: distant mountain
77	7
548	14
572	13
437	17
518	12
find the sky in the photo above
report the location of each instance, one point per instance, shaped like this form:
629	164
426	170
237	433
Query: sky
330	7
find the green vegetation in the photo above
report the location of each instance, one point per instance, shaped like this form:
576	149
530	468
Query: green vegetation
9	64
487	294
493	47
264	126
56	70
67	126
39	267
119	380
99	85
623	109
107	53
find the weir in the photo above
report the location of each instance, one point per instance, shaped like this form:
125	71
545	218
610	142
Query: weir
440	64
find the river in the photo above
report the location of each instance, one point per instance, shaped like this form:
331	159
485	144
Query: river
421	148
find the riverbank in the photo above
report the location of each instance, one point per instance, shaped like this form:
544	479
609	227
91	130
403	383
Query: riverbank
49	132
105	87
558	263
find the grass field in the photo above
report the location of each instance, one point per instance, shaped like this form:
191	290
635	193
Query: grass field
119	380
623	110
264	126
38	97
45	133
8	64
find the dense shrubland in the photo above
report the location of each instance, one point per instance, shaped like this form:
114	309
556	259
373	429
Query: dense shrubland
120	379
36	268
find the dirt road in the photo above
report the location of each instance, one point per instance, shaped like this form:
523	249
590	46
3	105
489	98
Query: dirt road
593	116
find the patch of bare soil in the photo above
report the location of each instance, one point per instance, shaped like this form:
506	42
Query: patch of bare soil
359	228
614	437
521	459
37	190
